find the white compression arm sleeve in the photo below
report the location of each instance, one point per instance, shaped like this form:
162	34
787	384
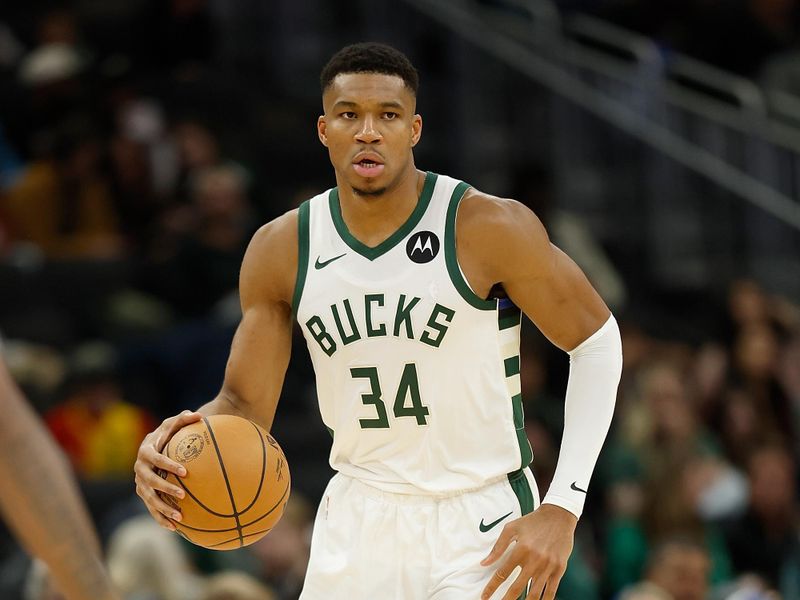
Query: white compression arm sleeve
594	372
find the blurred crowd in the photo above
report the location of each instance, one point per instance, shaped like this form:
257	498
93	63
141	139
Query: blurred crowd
130	184
709	30
695	495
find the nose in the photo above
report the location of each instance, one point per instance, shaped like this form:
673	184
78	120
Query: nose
367	133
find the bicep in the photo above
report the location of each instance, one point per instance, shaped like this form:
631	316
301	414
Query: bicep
559	300
541	279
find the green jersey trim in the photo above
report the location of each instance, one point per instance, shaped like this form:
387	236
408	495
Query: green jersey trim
525	450
302	254
452	259
390	242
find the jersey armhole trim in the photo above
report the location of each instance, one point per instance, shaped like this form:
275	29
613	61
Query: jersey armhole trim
302	254
451	258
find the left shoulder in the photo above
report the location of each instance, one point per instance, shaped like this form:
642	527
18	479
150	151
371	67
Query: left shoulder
498	230
499	240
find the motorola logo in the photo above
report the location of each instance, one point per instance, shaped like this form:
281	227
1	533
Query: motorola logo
422	247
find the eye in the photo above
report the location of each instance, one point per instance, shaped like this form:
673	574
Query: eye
390	116
348	115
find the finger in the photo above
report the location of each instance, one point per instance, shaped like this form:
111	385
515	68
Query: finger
156	460
537	588
157	506
502	573
550	589
171	425
153	481
506	537
161	519
518	588
162	486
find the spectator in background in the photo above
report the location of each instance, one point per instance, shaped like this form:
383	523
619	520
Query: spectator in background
149	563
142	165
205	266
665	471
198	149
678	569
765	540
660	425
53	75
98	430
62	204
743	427
232	585
283	553
755	363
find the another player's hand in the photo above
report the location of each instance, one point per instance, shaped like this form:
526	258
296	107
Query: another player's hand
150	460
542	544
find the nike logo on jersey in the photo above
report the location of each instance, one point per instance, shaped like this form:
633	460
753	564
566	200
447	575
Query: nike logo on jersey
322	264
485	528
575	487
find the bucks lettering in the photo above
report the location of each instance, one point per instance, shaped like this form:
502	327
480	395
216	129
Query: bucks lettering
376	318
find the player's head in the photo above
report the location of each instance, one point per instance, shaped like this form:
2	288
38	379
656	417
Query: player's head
370	57
369	94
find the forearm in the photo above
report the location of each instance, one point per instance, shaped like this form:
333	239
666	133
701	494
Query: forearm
595	369
229	403
223	404
42	504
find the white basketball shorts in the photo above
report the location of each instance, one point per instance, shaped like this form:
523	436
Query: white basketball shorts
368	543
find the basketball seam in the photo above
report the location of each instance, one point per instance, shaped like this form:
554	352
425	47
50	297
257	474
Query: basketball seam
227	481
195	498
263	469
271	510
247	535
265	515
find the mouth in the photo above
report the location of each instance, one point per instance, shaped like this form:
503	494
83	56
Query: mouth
368	164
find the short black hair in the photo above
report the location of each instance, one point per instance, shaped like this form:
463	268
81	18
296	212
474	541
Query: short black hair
370	57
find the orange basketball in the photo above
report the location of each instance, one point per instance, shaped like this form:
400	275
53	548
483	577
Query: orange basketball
237	482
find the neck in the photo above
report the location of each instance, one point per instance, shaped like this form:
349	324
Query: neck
374	217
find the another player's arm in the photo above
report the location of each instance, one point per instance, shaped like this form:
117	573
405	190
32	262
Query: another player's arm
501	241
42	504
256	365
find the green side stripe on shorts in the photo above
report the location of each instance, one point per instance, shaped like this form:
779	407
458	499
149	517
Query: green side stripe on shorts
512	366
522	490
302	254
329	430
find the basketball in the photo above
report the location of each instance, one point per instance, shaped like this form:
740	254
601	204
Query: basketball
236	485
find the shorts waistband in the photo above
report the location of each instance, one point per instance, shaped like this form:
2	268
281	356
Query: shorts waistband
372	491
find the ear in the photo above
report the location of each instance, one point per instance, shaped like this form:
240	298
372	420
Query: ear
321	128
416	129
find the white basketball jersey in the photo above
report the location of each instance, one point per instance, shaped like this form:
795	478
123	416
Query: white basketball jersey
417	377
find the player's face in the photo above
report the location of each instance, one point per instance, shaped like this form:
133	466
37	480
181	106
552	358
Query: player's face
369	128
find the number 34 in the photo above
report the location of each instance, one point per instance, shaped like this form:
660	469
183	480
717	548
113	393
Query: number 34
409	385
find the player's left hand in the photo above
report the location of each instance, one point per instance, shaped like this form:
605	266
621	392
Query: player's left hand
542	544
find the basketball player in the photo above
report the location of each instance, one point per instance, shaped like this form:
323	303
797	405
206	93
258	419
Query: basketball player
41	503
409	288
